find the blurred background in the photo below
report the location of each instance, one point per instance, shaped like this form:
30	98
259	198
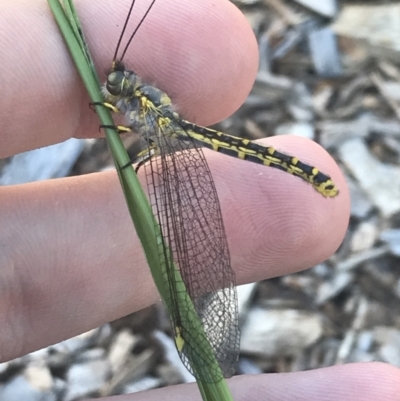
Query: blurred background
329	71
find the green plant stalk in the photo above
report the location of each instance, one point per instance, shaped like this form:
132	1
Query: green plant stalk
142	216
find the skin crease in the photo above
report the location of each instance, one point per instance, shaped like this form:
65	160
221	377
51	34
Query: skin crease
69	257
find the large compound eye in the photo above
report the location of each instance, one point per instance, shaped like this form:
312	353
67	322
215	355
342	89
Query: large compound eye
114	82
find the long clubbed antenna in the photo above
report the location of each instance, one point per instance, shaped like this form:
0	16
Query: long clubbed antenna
123	30
134	32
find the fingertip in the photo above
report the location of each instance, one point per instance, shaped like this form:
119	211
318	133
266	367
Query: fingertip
333	212
352	382
358	382
204	55
277	223
326	219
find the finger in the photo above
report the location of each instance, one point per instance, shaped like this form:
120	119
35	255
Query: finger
353	382
277	222
71	260
203	54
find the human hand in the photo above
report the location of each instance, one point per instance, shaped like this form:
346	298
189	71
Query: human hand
70	259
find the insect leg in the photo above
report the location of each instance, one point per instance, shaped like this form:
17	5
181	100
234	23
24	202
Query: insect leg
144	156
107	105
121	129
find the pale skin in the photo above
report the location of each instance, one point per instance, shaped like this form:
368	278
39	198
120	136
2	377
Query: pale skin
70	259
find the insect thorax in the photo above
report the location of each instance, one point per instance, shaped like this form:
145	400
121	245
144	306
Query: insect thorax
142	104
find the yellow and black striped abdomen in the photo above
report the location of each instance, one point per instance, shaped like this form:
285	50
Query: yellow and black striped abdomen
247	150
